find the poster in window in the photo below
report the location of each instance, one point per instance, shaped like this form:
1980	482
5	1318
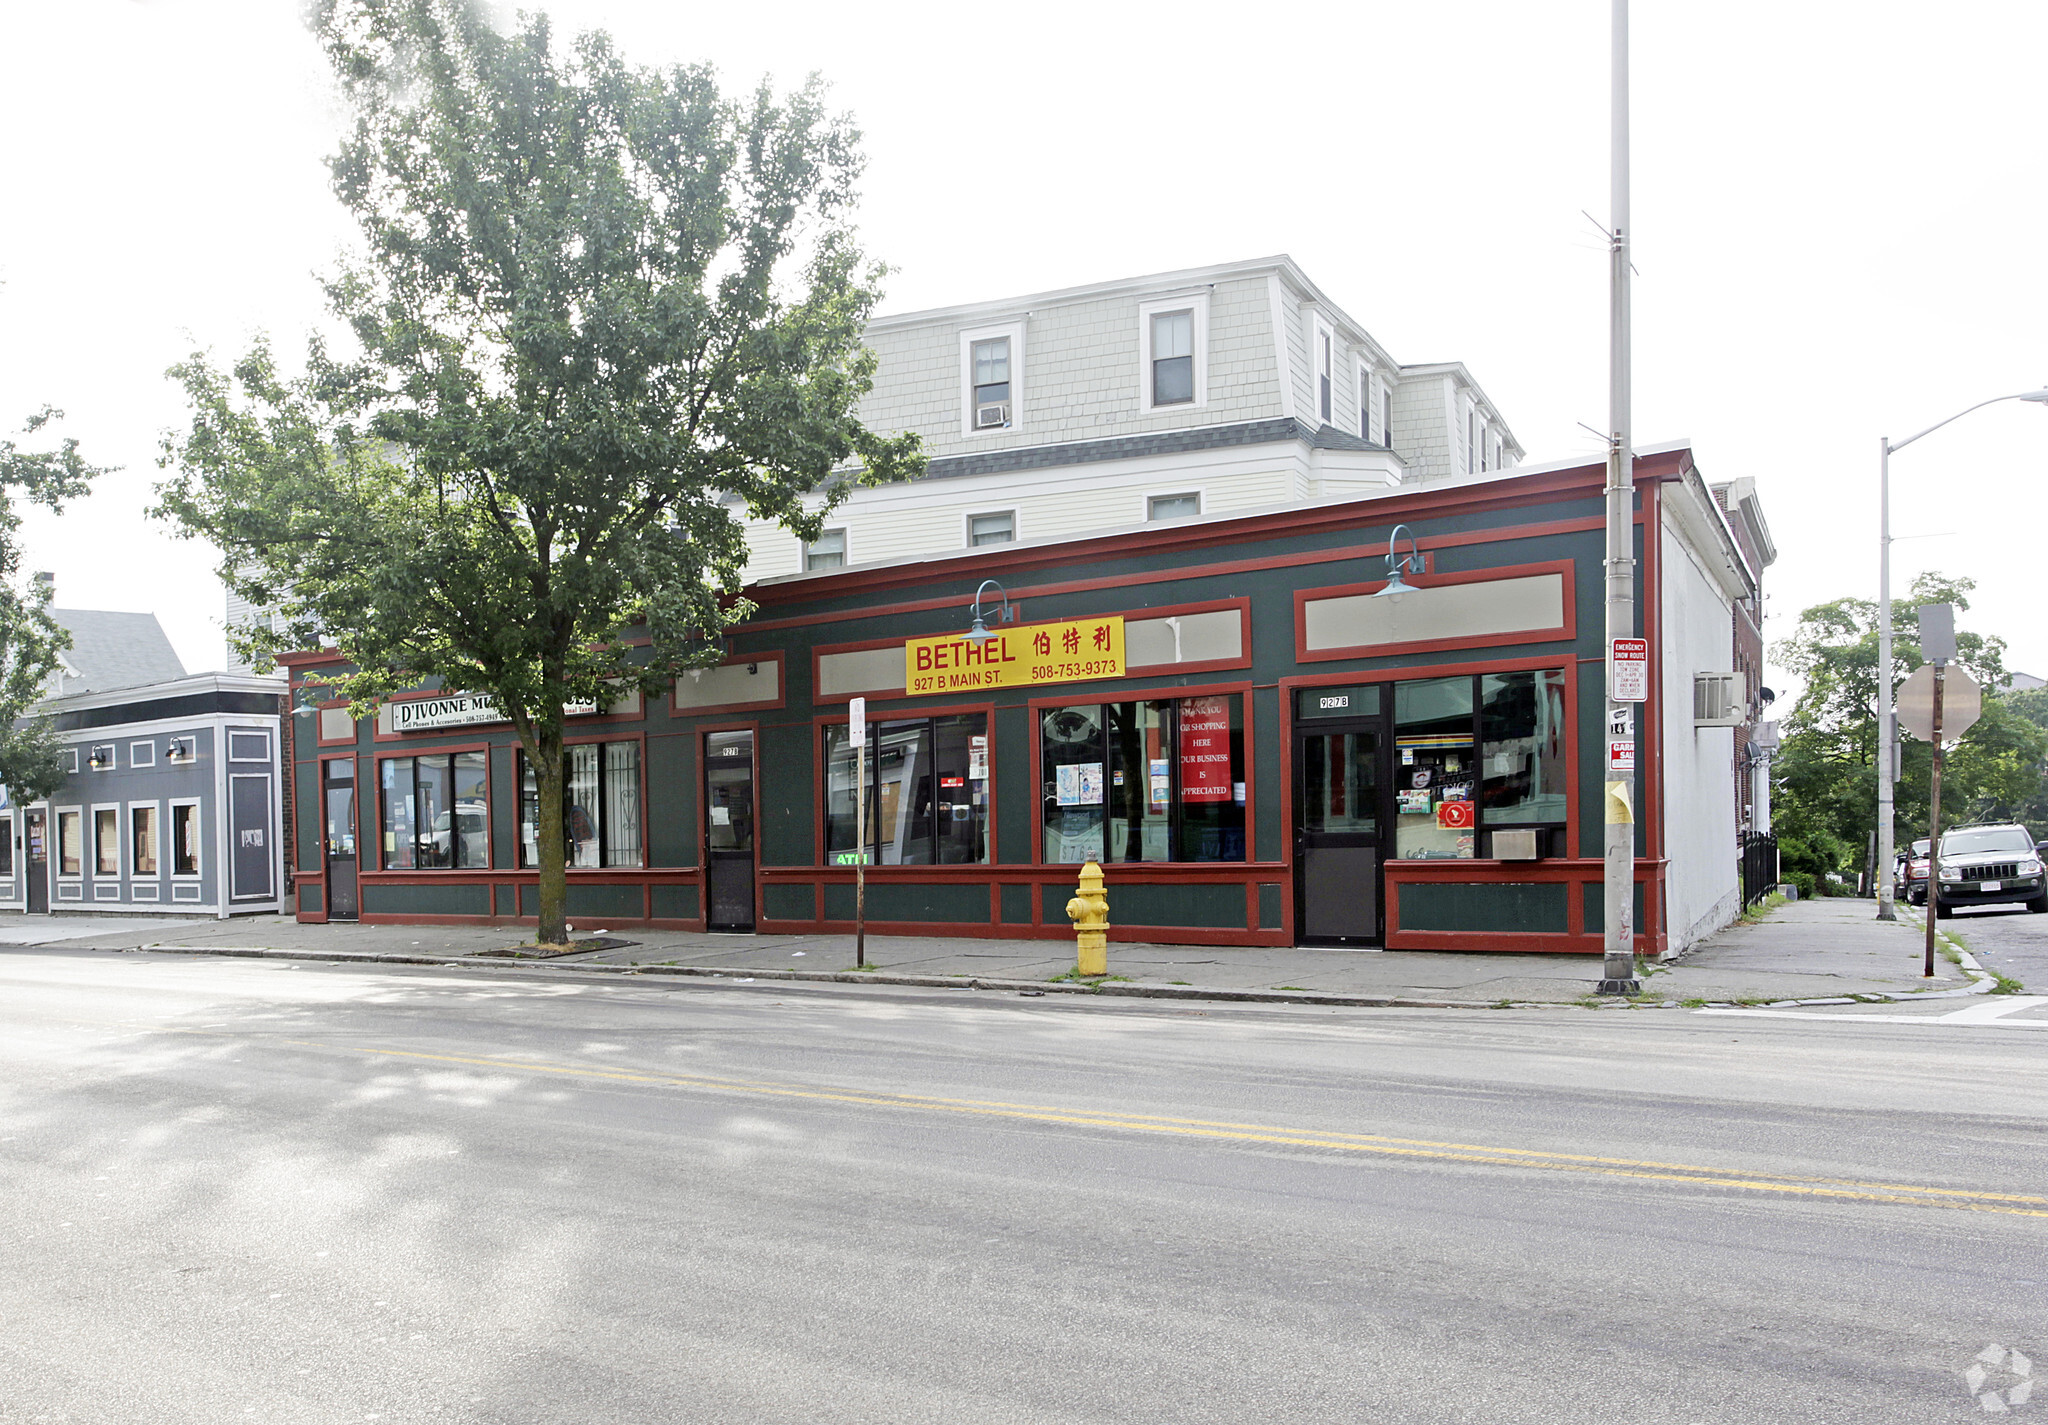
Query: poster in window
1079	784
1205	749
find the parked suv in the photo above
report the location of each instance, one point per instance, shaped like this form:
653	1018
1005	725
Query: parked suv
1909	875
1993	864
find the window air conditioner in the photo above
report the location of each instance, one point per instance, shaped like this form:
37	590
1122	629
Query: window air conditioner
1718	700
992	415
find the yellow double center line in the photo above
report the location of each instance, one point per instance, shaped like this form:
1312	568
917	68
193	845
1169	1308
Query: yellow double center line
1960	1199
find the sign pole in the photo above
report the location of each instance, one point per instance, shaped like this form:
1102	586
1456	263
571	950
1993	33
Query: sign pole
1933	828
857	734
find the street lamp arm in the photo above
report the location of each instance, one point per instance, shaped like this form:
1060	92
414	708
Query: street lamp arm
1892	446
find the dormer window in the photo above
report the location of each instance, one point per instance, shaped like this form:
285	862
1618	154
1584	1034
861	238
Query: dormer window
992	383
1173	358
991	375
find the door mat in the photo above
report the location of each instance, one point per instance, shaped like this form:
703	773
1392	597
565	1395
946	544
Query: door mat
587	946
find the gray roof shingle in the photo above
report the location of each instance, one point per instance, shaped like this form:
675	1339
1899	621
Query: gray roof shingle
114	650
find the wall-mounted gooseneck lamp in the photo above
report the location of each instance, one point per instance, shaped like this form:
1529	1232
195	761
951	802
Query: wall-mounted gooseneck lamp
1412	562
977	632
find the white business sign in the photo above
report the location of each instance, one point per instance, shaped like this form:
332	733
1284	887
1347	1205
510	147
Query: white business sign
857	722
461	710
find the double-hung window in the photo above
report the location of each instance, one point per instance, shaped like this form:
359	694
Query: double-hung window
436	812
185	839
142	839
71	843
600	806
106	839
1173	358
1161	780
827	551
999	527
991	361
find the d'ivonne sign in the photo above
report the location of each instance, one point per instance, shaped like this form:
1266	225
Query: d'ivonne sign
460	710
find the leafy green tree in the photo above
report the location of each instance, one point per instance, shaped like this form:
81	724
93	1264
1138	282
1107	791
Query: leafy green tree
600	312
31	642
1827	799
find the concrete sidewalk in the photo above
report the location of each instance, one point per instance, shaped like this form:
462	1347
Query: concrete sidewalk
1815	950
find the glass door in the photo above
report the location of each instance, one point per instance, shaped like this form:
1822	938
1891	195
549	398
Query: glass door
729	830
37	854
1339	817
338	797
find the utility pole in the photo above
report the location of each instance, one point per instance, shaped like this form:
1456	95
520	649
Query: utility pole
1934	826
1618	971
1887	714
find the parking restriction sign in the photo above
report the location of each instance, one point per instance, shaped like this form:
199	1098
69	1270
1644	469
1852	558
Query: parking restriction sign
1631	662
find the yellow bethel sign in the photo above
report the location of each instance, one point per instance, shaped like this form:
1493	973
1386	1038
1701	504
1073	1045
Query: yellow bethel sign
1023	656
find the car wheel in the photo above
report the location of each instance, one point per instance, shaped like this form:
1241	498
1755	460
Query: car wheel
2038	905
1942	912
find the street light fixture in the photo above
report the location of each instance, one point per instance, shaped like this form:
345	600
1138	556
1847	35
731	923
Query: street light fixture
1412	562
978	631
1888	730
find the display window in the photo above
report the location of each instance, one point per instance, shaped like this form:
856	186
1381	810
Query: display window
435	812
928	793
1158	780
601	806
1476	753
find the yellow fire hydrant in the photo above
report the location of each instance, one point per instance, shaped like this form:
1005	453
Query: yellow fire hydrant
1089	910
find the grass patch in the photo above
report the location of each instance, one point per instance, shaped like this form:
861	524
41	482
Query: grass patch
1077	978
2005	985
863	969
1752	914
1176	982
1502	1004
1694	1003
1295	989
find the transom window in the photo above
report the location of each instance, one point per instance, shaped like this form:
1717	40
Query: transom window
997	528
1173	358
827	551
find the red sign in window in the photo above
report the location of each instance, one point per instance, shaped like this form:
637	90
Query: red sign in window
952	781
1456	816
1205	750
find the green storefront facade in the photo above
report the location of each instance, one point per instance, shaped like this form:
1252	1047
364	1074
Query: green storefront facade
1278	756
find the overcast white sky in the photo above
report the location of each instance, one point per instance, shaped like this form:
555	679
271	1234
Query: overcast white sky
1839	224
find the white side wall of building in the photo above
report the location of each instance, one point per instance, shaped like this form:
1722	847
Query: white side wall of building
1703	871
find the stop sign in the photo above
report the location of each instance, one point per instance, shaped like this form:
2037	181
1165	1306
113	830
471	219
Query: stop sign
1961	703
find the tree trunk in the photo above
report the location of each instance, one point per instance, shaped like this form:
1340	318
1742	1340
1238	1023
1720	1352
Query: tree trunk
551	837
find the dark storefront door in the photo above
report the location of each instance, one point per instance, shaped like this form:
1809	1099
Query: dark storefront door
338	793
729	830
36	855
1339	820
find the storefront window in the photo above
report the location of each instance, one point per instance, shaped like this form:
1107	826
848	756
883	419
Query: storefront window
1521	722
1435	817
106	835
600	806
1150	781
185	840
143	825
436	813
70	843
927	793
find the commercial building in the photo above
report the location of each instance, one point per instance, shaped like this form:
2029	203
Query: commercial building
1228	707
172	798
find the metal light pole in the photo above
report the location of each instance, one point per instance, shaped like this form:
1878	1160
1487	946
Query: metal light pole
1618	969
1887	716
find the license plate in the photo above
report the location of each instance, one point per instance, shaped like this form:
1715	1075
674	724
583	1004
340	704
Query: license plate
1992	886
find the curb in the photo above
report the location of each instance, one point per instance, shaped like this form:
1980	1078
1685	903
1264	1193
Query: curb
1984	980
852	977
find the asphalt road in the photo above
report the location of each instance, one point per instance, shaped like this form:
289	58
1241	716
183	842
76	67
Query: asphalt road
250	1190
2010	940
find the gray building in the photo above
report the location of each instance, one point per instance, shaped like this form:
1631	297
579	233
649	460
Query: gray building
172	801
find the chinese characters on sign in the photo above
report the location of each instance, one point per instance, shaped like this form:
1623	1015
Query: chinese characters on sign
1205	750
1027	655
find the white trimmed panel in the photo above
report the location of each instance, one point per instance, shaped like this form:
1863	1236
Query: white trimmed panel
1184	638
733	683
870	670
1494	606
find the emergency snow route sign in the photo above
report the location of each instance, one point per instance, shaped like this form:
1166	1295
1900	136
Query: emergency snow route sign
1631	661
1022	656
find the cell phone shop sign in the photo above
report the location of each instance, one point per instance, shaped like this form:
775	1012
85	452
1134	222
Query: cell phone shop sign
461	710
